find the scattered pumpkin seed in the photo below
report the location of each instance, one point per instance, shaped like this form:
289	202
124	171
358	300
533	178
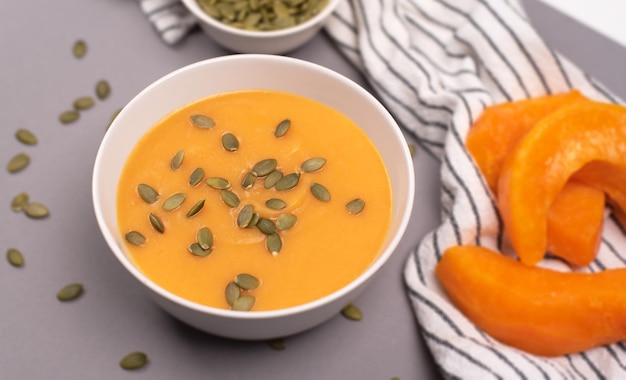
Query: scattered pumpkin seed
272	179
245	216
266	226
135	238
218	183
274	243
196	176
174	201
412	150
35	210
205	238
232	292
83	103
113	116
248	180
282	128
285	221
15	257
26	137
177	160
68	116
18	202
276	204
264	167
320	192
70	292
313	164
246	281
79	49
288	182
244	303
147	193
18	162
352	312
231	199
195	208
202	121
103	89
134	360
277	344
196	250
230	142
156	222
355	206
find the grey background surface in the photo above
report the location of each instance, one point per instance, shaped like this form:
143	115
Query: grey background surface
42	338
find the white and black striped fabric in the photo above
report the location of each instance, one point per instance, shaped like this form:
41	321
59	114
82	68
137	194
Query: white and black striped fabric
170	19
436	65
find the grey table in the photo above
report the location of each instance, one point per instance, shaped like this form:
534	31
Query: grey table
42	338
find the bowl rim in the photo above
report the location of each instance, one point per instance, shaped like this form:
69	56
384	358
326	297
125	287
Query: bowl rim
193	7
338	294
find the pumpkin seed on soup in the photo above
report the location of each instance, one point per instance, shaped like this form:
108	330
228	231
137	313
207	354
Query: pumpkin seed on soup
231	199
264	167
218	183
70	292
79	49
147	193
202	121
15	257
69	116
287	182
244	303
230	142
26	137
313	164
248	180
320	192
282	128
195	208
273	243
266	226
196	176
246	281
272	179
285	222
352	312
245	216
134	360
135	238
232	293
204	238
18	202
177	160
35	210
103	89
197	250
83	103
276	204
174	201
355	206
156	222
18	162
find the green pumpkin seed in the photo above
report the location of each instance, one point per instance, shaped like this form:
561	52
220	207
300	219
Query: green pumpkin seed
276	204
69	116
135	238
174	201
79	49
272	179
320	192
288	182
205	238
83	103
231	199
230	142
177	160
286	221
218	183
18	162
19	201
195	208
26	137
196	250
245	216
254	221
35	210
248	180
264	167
113	116
196	176
266	226
313	164
156	222
15	257
355	206
352	312
277	344
70	292
134	360
273	243
232	292
246	281
244	303
412	150
147	193
282	128
103	89
202	121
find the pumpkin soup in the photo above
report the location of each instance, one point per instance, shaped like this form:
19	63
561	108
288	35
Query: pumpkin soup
254	200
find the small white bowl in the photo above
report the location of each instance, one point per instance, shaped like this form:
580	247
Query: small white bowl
263	42
241	72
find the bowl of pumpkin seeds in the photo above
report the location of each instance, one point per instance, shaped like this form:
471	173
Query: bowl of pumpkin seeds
229	74
261	26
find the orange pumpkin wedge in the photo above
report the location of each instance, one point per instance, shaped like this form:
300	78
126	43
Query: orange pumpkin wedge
537	310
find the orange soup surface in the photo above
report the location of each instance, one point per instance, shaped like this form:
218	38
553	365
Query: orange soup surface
326	248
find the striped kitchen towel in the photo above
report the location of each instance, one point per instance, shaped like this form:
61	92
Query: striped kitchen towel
170	19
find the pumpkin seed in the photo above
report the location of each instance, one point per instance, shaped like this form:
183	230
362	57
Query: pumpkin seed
177	160
204	238
218	183
248	180
26	137
282	128
103	89
35	210
174	201
232	292
113	116
320	192
243	303
70	292
352	312
18	162
246	281
276	204
147	193
196	176
156	222
134	360
135	238
196	250
277	344
18	202
195	208
79	49
83	103
69	116
412	150
230	142
288	182
313	164
285	221
355	206
231	199
273	243
255	220
264	167
245	216
202	121
272	179
266	226
15	257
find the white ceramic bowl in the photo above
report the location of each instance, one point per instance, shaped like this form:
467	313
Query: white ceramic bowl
240	72
265	42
